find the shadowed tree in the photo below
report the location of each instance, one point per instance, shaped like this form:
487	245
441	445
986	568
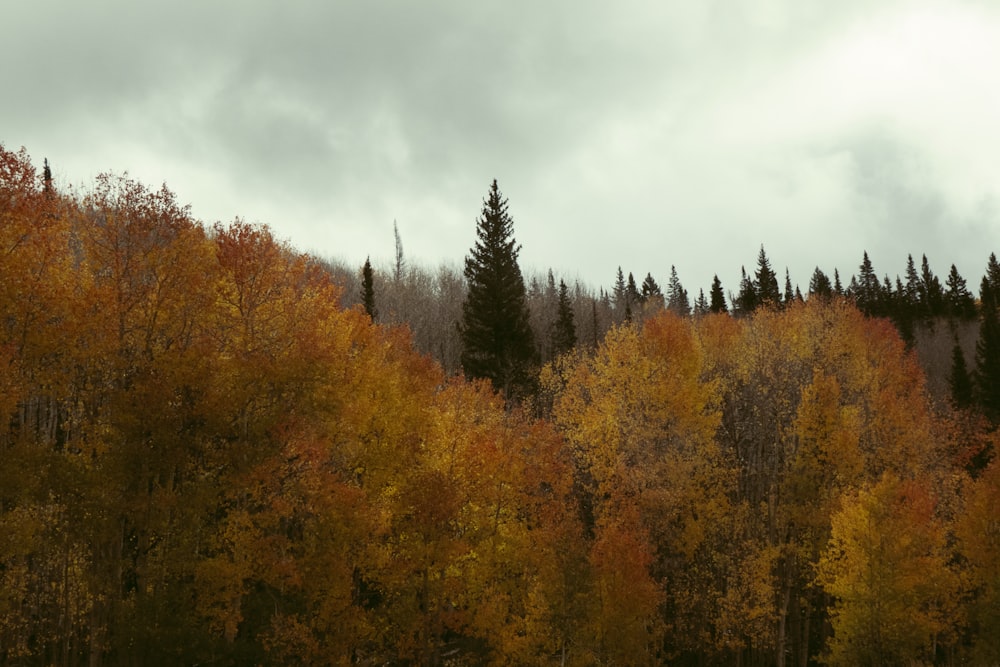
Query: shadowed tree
564	329
368	289
496	334
716	298
766	282
677	296
819	285
958	299
960	381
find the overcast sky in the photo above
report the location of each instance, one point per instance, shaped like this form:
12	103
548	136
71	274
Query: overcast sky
632	133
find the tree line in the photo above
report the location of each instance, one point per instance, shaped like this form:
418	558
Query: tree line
207	458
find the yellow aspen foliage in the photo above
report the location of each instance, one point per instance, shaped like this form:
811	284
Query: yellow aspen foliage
887	569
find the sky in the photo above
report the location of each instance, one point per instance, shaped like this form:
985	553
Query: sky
637	134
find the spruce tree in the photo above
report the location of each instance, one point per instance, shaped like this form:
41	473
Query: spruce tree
701	304
789	295
866	289
931	290
959	380
368	289
987	373
564	328
497	340
958	299
746	302
677	296
819	285
838	288
766	283
716	298
650	288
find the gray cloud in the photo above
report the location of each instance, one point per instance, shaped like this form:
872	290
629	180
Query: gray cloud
633	134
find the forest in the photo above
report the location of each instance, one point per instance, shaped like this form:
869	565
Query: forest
219	450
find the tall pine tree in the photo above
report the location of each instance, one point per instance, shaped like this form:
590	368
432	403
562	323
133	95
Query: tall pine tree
766	283
716	298
497	340
368	289
564	327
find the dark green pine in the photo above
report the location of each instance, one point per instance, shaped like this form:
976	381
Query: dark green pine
497	341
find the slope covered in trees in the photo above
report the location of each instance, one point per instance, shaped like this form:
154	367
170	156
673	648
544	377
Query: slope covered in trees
208	459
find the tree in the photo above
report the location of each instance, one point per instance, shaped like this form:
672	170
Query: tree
819	285
887	567
677	296
701	304
987	371
789	294
368	289
716	299
866	289
399	265
930	290
957	297
959	381
650	288
766	282
564	329
498	344
746	302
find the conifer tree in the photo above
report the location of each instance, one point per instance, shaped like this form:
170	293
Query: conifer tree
650	288
819	285
746	301
496	334
368	289
789	295
931	291
677	296
912	297
866	289
958	299
987	372
564	329
838	288
959	380
619	295
632	291
766	282
716	299
701	303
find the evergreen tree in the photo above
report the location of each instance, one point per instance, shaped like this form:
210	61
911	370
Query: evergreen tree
931	291
960	381
766	283
838	289
47	178
701	304
746	302
496	334
989	290
866	290
959	301
620	298
368	289
650	288
631	291
912	298
987	373
819	285
789	295
564	330
716	299
677	296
